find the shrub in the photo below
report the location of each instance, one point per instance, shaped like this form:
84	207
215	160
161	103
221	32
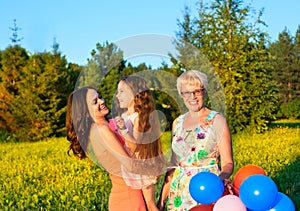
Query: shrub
290	110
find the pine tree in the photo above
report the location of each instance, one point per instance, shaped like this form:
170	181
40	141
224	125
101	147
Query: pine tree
286	72
15	36
283	73
39	107
13	60
296	65
34	93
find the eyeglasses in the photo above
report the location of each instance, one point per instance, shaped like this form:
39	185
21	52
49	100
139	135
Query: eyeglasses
196	92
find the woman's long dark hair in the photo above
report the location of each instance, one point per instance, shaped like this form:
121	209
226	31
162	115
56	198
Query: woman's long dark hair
78	122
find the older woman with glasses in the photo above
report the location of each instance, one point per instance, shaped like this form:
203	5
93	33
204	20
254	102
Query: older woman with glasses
200	139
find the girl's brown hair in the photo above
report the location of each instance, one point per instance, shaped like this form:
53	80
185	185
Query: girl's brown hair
149	144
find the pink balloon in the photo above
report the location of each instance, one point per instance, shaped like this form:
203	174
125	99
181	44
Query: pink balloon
229	203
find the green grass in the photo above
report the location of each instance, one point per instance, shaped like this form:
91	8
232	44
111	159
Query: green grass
290	123
41	176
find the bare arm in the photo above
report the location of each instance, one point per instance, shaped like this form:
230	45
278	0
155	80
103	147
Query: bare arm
129	137
108	149
168	177
149	196
109	140
135	136
165	190
225	146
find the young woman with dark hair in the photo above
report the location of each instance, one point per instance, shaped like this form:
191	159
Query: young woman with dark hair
90	135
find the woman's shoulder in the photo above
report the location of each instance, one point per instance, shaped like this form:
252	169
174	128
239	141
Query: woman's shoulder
213	115
217	117
179	119
101	128
177	123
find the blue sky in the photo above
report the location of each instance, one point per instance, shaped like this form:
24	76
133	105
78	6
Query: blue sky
78	25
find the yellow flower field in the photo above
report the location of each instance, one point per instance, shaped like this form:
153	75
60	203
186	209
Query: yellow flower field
41	176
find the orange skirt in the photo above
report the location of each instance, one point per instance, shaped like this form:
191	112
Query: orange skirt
124	198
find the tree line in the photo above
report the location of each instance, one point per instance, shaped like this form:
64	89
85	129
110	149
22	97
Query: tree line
259	78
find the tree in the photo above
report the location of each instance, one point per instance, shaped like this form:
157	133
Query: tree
67	74
105	58
284	58
15	37
236	50
162	83
296	64
286	72
13	60
103	70
42	94
34	92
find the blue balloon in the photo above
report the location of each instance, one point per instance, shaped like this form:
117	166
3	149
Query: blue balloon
258	192
206	187
283	203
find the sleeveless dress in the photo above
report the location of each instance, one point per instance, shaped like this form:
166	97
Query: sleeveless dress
135	181
123	197
196	150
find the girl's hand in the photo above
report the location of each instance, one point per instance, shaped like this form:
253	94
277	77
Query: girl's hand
120	123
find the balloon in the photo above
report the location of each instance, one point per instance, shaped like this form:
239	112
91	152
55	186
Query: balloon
229	203
206	187
258	192
203	207
283	203
243	173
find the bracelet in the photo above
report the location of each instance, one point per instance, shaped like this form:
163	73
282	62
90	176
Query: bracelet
124	131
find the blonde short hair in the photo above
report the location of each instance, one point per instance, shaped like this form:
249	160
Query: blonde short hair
192	77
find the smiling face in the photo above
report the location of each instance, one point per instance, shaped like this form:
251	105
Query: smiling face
125	95
96	104
193	97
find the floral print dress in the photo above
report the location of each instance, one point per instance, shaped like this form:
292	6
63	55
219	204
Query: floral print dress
196	150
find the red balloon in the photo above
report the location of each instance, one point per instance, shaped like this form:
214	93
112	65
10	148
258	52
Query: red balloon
203	207
243	173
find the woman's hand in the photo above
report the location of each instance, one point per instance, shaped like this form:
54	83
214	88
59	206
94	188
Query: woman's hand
228	186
